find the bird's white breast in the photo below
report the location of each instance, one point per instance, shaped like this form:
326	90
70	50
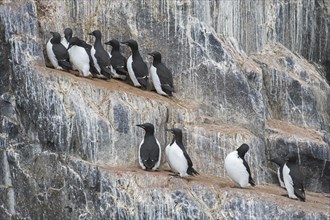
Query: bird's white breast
176	159
156	81
51	55
80	59
236	169
139	153
288	182
96	65
131	72
65	43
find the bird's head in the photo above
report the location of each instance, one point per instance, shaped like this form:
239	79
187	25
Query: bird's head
131	43
68	34
148	127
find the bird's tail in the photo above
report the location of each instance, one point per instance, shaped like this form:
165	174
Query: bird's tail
251	181
121	71
65	65
92	69
106	72
168	89
143	81
192	172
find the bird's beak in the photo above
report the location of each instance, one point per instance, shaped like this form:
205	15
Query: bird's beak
90	33
107	43
52	32
141	126
151	54
124	42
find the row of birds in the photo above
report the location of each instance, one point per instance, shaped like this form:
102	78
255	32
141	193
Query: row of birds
71	53
289	174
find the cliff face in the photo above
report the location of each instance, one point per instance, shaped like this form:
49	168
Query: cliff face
68	146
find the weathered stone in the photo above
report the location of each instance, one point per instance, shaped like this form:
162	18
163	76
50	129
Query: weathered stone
68	144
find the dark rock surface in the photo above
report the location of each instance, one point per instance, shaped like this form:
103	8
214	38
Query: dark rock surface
68	145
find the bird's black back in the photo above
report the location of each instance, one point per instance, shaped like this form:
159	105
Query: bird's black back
191	171
118	61
180	144
165	77
60	52
140	68
251	181
149	151
241	151
280	162
102	56
298	179
62	56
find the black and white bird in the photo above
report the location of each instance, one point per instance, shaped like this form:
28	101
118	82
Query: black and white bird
177	156
137	68
92	69
293	178
280	162
57	53
79	56
237	168
118	61
149	148
67	36
161	76
101	58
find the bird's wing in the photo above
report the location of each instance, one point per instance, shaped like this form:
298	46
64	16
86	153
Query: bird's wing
251	181
60	52
298	180
190	164
296	174
154	151
139	67
103	58
190	170
66	65
165	75
118	62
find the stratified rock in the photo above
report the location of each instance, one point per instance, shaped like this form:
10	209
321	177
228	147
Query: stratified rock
68	145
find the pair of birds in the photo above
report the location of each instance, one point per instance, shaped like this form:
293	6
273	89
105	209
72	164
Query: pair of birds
95	61
289	174
176	154
161	76
290	177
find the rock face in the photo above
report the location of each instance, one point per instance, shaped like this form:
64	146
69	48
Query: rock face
68	146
